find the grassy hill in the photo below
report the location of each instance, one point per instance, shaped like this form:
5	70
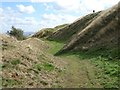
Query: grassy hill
27	64
46	32
101	34
94	37
88	55
64	34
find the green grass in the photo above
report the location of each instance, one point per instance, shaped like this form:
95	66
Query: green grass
48	67
38	67
106	60
108	65
1	66
10	82
15	61
110	74
11	64
55	46
45	66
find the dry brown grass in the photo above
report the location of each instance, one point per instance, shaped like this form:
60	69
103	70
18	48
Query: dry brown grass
21	61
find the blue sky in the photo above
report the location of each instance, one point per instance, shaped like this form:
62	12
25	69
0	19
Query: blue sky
33	15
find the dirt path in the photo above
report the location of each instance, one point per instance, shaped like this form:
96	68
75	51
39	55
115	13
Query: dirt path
80	73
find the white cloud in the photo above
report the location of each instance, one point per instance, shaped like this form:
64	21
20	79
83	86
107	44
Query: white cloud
83	6
1	10
22	21
14	0
18	20
48	7
69	5
43	0
52	20
26	9
9	8
59	17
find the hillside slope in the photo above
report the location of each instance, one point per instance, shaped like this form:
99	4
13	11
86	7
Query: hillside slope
27	64
46	32
101	33
69	31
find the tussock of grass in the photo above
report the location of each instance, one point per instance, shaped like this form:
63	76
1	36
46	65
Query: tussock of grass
15	62
44	66
10	82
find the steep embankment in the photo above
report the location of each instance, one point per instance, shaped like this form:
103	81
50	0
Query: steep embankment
69	31
27	64
101	33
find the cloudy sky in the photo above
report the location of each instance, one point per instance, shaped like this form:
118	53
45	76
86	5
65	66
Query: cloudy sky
33	15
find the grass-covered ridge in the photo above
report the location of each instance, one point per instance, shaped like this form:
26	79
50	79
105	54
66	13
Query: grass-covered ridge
27	64
46	32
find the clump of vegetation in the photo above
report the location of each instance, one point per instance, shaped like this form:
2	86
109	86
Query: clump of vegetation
10	82
1	67
15	62
110	72
18	33
48	66
44	66
38	67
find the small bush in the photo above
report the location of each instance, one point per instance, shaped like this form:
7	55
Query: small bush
15	62
18	33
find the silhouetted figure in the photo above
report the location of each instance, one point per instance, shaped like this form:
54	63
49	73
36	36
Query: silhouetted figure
93	11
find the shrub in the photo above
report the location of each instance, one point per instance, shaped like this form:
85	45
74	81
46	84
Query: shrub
18	33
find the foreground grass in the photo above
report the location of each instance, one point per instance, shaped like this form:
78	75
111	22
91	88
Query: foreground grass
108	73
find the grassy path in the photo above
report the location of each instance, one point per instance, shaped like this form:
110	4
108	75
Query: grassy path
79	73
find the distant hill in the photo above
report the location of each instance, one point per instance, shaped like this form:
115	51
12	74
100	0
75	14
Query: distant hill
46	32
28	33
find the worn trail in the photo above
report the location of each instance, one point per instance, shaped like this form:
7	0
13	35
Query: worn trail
80	74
